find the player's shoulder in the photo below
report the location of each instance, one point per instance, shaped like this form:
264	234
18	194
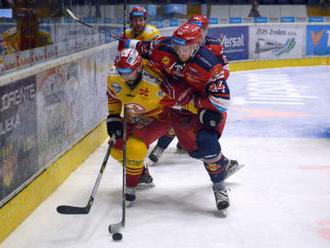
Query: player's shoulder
150	29
214	45
162	41
129	33
150	33
151	77
128	30
164	44
212	41
205	59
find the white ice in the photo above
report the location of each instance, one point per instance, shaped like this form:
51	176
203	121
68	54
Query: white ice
281	199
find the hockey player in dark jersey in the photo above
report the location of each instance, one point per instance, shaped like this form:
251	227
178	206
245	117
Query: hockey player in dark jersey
214	45
182	60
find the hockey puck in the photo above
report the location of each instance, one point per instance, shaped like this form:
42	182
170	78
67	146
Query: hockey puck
117	236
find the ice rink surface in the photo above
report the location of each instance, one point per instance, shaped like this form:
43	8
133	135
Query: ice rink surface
278	127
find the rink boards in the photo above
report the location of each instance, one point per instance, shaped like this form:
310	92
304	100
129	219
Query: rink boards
249	122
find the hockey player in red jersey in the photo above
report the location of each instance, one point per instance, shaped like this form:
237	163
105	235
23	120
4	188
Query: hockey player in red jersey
182	60
214	45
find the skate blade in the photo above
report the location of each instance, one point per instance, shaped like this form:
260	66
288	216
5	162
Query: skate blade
129	204
222	213
232	172
149	162
181	151
143	186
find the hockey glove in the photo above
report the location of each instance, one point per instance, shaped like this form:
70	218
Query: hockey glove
209	118
115	126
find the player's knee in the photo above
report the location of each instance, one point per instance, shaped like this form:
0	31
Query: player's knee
208	140
208	146
136	149
117	154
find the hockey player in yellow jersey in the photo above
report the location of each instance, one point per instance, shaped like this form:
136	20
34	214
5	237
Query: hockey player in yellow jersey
139	29
139	88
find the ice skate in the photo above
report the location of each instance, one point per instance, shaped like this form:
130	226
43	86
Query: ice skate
130	196
156	154
146	180
221	196
232	167
179	148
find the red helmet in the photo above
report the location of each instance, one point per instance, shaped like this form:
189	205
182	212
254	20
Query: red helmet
128	61
199	20
138	11
187	34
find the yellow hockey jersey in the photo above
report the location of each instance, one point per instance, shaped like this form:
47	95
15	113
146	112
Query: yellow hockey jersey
150	33
146	99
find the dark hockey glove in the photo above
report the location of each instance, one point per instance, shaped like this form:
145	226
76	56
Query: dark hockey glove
115	126
210	118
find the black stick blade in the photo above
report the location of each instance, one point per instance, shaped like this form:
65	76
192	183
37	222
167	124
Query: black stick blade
63	209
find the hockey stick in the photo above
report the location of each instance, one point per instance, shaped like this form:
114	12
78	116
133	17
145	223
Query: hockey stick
65	209
124	23
116	228
74	17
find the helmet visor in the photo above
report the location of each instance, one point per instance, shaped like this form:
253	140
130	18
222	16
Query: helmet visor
128	74
124	71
